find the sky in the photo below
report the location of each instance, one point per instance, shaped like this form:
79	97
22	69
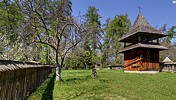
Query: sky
156	12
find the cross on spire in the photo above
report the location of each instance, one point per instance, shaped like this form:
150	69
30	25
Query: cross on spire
139	7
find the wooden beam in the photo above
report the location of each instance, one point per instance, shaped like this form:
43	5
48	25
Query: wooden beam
124	44
157	41
139	38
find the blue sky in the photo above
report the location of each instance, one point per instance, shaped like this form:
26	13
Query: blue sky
157	12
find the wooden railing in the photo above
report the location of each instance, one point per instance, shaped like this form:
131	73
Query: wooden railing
19	79
133	61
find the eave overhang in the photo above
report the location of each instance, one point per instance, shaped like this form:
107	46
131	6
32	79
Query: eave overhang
141	45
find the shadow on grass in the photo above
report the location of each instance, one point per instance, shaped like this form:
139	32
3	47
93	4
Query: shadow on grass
48	94
77	79
94	90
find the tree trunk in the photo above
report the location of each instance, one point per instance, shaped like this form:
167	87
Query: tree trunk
58	69
58	72
85	66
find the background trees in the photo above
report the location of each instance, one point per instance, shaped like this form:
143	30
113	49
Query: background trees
169	42
48	25
92	22
53	26
115	29
93	26
9	22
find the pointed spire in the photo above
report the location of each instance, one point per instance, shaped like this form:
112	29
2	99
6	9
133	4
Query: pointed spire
141	26
141	21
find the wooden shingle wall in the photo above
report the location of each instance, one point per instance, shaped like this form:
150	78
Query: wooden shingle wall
19	79
141	60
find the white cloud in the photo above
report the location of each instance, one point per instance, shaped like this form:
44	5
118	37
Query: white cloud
174	1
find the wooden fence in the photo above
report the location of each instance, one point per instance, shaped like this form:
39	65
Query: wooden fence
19	79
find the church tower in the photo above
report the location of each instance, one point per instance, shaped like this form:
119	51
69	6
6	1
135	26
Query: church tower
141	46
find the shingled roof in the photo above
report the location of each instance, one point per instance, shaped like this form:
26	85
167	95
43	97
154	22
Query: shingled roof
167	60
141	45
142	26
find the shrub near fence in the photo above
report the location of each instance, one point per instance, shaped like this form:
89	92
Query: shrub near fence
19	79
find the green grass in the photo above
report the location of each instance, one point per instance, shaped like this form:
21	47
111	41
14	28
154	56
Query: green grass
109	85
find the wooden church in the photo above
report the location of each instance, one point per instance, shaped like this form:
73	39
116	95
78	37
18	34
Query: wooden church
141	46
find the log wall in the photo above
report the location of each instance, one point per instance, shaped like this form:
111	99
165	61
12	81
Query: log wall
19	79
141	60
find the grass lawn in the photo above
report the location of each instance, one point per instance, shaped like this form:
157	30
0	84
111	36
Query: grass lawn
109	85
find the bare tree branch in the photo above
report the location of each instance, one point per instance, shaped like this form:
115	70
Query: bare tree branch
71	48
41	42
43	22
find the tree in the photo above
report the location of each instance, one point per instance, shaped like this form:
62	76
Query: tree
115	29
93	25
48	23
106	45
166	41
171	34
